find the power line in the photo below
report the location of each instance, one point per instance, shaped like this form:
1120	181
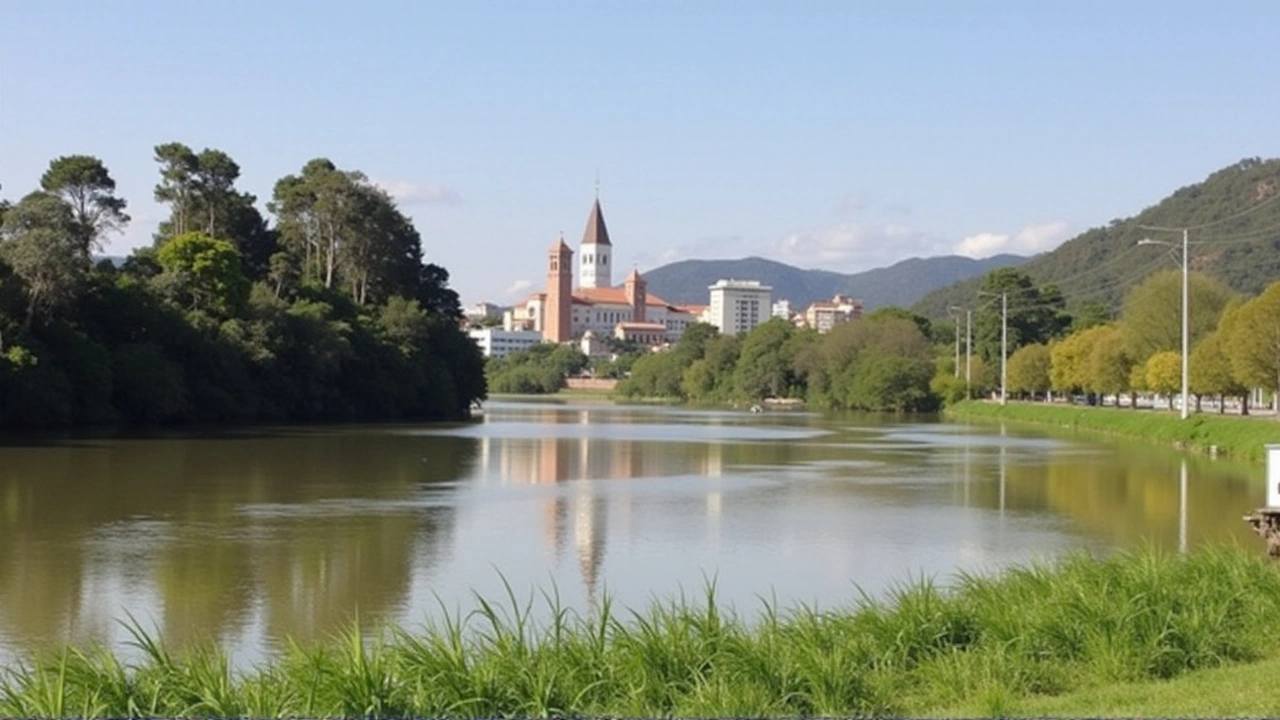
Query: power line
1097	291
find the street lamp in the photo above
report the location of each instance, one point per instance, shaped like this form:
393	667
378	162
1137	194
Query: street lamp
1186	336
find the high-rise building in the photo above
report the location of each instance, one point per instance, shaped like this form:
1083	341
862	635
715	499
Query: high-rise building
739	305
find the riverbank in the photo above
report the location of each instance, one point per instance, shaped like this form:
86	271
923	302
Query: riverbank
990	643
1239	437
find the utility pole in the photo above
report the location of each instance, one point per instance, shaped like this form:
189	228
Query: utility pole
955	312
1186	332
1186	262
957	373
1004	347
968	354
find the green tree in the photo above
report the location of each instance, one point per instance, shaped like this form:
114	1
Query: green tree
1152	317
1029	370
1252	339
875	364
88	188
656	375
41	241
764	367
1035	314
204	273
693	341
1069	361
1164	374
891	311
1109	365
711	378
178	185
404	323
1211	372
346	231
1087	314
200	190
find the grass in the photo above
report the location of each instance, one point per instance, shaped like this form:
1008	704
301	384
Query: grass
1237	691
1027	638
1241	437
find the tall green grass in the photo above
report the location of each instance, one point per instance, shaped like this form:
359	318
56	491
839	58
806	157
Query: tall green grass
1034	630
1242	437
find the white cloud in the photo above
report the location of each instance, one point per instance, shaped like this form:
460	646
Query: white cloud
408	193
1029	240
519	287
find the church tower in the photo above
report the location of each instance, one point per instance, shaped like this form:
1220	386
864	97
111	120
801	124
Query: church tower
637	298
596	251
557	320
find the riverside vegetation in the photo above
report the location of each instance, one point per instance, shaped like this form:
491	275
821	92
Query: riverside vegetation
330	314
1245	438
988	644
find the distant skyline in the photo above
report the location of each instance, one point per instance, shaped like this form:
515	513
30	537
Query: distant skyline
838	135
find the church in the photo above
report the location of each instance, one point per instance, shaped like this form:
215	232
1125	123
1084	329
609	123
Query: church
593	307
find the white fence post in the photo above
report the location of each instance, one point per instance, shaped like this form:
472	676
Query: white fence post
1273	476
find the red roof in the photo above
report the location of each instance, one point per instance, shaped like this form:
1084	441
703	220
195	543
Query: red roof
614	296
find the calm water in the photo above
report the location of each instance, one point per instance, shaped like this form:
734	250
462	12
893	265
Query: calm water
250	537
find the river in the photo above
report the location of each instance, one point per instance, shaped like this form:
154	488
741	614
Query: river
249	537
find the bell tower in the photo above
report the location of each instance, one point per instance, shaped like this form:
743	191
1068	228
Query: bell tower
557	321
637	297
596	251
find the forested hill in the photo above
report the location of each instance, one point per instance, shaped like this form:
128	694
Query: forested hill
900	284
332	313
1234	221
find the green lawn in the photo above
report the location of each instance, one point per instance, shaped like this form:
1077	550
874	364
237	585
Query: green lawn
1249	690
1242	437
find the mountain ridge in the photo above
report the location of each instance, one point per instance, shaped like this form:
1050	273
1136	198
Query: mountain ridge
902	283
1234	220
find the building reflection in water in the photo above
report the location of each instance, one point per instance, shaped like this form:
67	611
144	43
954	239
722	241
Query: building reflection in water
587	469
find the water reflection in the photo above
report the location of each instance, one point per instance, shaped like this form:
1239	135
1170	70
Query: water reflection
206	537
248	538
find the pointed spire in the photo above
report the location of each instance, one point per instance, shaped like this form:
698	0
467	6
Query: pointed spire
560	246
596	233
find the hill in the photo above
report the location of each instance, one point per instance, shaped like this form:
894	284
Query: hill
901	284
1233	218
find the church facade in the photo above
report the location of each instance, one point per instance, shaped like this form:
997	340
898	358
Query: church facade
593	307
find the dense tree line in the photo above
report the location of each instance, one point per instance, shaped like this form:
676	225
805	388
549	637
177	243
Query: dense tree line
537	370
1235	346
883	362
330	314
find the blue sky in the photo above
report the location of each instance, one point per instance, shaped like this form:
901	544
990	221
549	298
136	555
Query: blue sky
840	135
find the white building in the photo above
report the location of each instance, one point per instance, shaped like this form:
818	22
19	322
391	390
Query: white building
482	311
823	316
496	342
739	305
782	309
